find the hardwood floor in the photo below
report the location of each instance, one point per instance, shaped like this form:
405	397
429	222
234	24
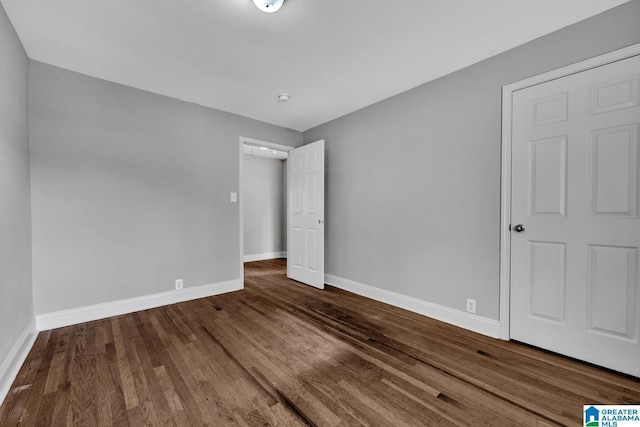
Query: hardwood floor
283	354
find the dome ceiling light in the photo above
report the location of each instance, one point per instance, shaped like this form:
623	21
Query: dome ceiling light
268	6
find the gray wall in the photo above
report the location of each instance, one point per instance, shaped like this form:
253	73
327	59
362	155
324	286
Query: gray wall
413	182
130	190
16	297
264	205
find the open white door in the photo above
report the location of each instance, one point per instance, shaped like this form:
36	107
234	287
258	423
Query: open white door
305	214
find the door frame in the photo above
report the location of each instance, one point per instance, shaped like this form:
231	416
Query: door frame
251	141
505	177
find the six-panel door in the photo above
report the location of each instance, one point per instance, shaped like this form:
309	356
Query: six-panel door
574	271
305	230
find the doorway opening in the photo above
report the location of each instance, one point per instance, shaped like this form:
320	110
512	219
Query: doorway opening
262	201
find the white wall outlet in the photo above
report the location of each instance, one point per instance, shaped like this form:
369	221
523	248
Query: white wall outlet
234	197
179	284
471	305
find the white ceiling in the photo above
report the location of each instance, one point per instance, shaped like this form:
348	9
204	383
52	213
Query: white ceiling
332	56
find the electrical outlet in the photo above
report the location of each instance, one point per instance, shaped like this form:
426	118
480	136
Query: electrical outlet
179	284
471	305
234	197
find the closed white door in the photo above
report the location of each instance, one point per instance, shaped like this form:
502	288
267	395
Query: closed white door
575	224
305	230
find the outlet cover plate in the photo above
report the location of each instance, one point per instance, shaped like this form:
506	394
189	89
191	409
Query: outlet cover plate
471	305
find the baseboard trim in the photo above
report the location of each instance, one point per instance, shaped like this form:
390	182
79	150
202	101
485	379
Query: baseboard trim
11	365
74	316
481	325
261	257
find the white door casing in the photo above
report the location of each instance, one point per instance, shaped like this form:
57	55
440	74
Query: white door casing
305	213
574	188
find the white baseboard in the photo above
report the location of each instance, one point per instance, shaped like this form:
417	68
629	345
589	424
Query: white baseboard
74	316
11	365
481	325
268	255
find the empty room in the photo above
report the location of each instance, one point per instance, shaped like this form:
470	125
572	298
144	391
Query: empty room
323	213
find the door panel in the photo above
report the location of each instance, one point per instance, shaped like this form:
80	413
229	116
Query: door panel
612	279
574	267
548	280
306	214
614	172
615	94
549	176
297	248
550	109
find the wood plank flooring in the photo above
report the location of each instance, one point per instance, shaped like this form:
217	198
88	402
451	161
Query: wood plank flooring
283	354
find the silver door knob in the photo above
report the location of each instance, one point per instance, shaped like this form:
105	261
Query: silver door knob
518	228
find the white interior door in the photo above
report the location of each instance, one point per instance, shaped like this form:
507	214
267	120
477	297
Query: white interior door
574	262
305	214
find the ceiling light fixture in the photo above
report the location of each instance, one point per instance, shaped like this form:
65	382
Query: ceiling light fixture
268	6
283	97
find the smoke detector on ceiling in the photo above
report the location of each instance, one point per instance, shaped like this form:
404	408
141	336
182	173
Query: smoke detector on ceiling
268	6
